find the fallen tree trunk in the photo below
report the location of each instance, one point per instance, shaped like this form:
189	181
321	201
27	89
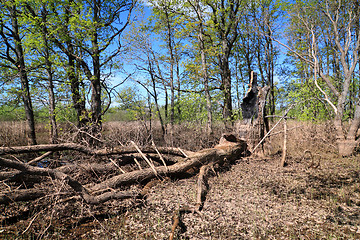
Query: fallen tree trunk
89	151
74	184
22	195
99	193
195	160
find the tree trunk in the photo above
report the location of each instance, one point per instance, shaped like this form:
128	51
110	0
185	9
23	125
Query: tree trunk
347	144
226	152
96	81
155	95
170	46
226	17
25	89
77	99
49	71
204	69
226	82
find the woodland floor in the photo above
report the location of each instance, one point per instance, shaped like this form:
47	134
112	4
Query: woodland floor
254	199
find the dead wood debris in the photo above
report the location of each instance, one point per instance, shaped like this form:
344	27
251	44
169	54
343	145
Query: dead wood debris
227	144
114	177
202	190
108	188
89	151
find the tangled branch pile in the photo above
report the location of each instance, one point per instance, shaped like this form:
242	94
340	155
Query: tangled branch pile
109	173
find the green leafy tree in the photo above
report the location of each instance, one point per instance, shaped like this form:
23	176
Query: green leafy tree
167	24
13	57
86	32
131	103
225	18
326	37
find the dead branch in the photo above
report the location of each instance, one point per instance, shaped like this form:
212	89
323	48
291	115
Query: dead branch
89	151
145	158
203	186
177	220
113	162
22	195
99	193
75	185
7	175
227	145
41	157
283	158
87	167
160	156
282	131
268	133
195	160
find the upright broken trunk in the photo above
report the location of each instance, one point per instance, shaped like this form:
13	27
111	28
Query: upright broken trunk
253	111
249	106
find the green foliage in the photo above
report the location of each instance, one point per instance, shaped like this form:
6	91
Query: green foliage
11	113
309	103
17	113
165	53
131	105
65	113
193	108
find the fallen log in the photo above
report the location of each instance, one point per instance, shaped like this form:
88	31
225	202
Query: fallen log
89	151
74	184
98	193
202	187
231	151
22	195
228	149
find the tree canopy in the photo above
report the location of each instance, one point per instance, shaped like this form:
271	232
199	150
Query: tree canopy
190	60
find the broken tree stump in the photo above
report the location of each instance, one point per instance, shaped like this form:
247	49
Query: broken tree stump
254	123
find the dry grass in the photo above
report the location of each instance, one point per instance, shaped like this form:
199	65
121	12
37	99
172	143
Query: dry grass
186	135
14	133
318	138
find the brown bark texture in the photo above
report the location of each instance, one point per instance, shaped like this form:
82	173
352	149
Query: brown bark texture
161	163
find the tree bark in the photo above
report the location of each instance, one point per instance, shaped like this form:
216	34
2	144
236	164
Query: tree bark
226	151
229	151
20	64
49	71
78	100
89	151
22	195
226	17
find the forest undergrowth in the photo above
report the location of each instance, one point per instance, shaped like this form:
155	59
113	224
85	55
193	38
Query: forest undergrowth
252	199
